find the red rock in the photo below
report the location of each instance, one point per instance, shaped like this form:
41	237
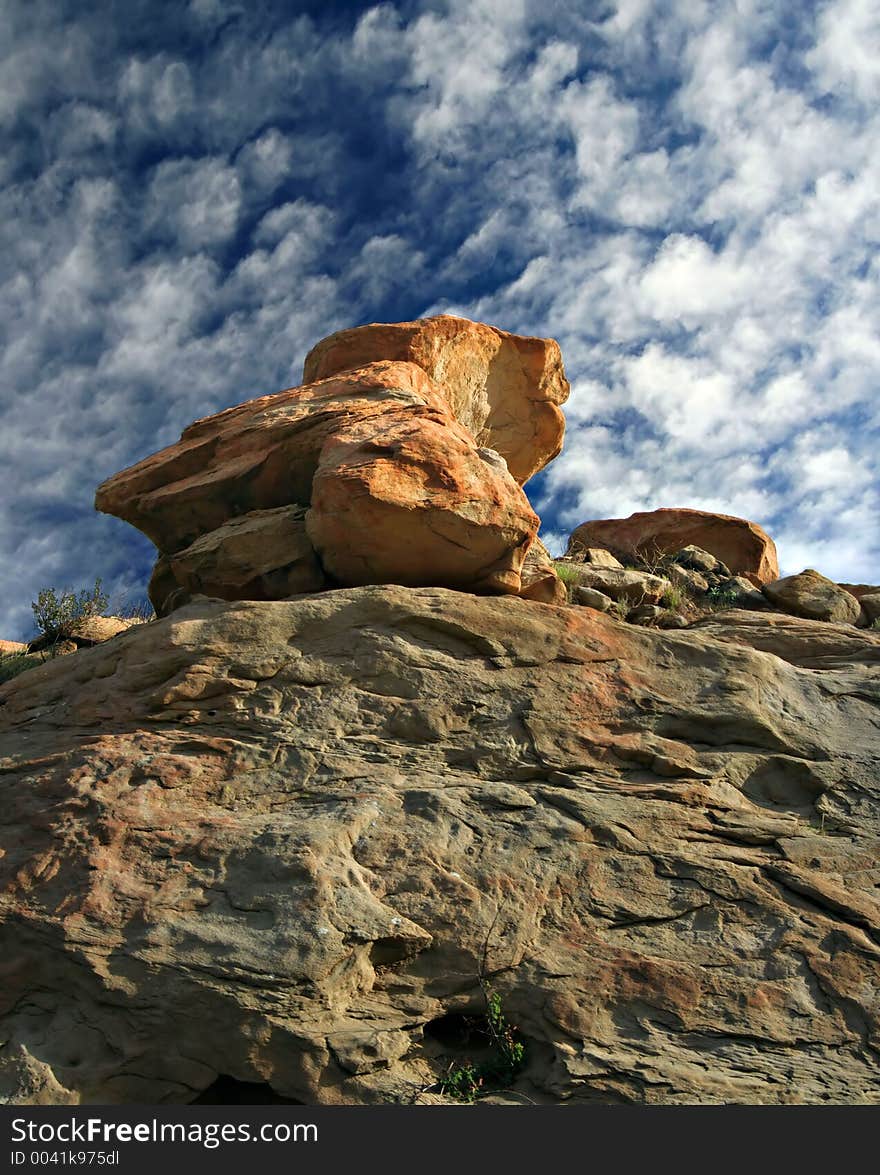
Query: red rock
859	590
504	388
743	546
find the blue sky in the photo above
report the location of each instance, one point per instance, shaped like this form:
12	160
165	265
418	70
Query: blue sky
683	193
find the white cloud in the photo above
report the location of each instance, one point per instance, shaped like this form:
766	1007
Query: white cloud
267	160
846	58
687	281
683	193
199	200
156	93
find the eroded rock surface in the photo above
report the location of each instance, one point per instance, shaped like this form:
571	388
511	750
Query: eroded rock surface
276	841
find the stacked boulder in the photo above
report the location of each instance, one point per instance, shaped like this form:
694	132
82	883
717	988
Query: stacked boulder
400	459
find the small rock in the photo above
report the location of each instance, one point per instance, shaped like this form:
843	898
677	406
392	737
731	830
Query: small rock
598	557
696	559
538	577
745	594
871	606
588	597
814	597
632	587
645	614
687	579
672	620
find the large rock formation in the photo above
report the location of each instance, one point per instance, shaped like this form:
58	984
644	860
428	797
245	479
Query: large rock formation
504	389
399	461
743	546
285	841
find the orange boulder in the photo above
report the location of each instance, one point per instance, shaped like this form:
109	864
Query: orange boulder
504	388
743	546
397	490
257	455
420	504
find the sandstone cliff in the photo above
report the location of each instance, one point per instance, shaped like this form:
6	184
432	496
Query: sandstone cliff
284	841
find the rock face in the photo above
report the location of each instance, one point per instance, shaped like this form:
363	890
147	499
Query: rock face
743	546
280	841
400	461
7	648
811	595
504	389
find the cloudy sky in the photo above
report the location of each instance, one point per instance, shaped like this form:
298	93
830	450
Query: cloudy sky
683	193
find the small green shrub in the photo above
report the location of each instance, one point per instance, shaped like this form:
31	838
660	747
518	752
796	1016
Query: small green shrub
468	1081
462	1082
875	624
722	596
14	663
672	598
567	572
58	615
